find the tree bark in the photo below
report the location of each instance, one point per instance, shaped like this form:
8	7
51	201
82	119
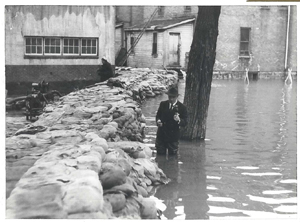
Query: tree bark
200	70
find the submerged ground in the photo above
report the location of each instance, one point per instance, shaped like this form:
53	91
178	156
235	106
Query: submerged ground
246	167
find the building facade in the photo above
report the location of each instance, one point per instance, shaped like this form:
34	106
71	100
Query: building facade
57	43
262	39
163	45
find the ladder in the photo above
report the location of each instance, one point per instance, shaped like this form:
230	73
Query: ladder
123	60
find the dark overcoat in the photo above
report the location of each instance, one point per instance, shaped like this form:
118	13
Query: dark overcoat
169	132
105	71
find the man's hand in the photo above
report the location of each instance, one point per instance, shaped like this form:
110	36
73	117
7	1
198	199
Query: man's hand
176	117
159	123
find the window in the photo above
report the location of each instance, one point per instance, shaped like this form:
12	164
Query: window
161	10
265	7
245	41
187	8
71	46
52	46
154	44
34	46
132	44
282	7
89	47
61	47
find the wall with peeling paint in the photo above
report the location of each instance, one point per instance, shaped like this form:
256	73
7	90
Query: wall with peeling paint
56	21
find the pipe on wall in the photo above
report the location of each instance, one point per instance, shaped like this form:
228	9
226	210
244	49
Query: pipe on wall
287	38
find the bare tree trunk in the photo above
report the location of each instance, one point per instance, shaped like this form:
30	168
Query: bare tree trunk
200	70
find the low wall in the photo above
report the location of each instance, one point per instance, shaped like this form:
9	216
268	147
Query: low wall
259	75
89	161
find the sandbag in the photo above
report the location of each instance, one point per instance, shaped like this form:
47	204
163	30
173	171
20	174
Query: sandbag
117	200
125	188
148	209
113	177
142	191
123	163
80	199
131	210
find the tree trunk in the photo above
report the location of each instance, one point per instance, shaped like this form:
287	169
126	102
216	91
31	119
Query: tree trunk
200	70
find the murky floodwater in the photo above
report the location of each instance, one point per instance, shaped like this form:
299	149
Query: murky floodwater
246	168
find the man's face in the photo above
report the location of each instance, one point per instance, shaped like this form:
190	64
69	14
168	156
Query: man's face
103	61
172	99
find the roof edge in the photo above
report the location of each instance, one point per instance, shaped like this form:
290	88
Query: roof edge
119	25
152	28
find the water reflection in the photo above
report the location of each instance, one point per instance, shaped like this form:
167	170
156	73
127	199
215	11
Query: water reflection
247	168
185	196
242	120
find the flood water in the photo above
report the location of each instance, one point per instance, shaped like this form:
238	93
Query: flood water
246	167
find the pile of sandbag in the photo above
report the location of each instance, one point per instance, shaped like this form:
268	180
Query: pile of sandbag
128	176
109	112
89	166
145	82
89	179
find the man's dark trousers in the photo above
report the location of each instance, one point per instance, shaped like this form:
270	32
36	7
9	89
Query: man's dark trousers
168	134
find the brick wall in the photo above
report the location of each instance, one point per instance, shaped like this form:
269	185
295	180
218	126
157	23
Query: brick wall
267	38
169	12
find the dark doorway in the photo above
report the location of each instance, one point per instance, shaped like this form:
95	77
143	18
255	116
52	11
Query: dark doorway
253	75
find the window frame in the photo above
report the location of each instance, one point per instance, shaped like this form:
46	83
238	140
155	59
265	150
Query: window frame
96	46
61	55
161	11
265	7
245	53
154	44
187	9
34	54
52	54
131	41
63	46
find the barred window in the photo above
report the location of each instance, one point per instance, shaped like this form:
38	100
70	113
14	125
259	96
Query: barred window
89	47
52	46
71	46
34	46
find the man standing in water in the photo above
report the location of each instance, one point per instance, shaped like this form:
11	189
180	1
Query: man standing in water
171	115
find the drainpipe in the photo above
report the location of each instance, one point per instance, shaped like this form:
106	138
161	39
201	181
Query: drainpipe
287	38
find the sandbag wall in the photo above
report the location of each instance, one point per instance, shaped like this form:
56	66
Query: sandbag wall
93	163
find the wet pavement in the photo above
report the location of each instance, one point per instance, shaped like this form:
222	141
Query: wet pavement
246	167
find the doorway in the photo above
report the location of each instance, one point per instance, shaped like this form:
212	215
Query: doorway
174	49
